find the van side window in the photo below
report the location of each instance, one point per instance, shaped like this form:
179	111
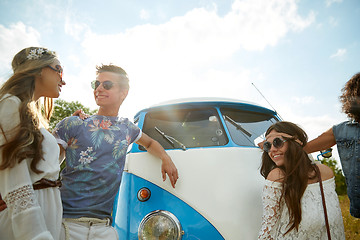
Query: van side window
188	127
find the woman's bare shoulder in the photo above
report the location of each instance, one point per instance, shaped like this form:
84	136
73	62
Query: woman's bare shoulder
325	171
276	175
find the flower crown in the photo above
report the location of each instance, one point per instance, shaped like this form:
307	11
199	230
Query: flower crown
37	53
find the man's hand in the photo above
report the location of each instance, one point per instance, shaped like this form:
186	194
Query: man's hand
168	167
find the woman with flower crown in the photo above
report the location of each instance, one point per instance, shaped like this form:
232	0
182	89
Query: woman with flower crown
29	155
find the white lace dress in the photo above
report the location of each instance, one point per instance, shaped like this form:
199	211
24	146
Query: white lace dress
312	226
29	214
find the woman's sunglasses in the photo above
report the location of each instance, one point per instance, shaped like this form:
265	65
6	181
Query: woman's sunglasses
277	143
57	69
106	84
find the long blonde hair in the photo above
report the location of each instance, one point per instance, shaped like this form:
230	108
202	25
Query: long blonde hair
26	143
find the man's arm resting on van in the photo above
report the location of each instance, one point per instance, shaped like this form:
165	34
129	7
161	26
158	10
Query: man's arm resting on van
325	141
154	148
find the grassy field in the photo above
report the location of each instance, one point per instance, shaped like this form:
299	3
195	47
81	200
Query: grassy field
351	224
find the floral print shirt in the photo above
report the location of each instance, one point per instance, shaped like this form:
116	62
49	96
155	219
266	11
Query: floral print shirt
95	155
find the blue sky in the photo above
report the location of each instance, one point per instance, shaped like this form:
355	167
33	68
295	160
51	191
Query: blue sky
298	53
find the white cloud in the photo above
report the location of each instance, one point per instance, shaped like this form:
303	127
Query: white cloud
181	54
75	29
13	39
173	85
315	125
330	2
144	14
201	36
74	60
340	54
257	24
303	100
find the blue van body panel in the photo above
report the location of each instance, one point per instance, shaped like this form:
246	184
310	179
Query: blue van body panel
130	211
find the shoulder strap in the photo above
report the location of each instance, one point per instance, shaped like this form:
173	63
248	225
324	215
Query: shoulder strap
323	201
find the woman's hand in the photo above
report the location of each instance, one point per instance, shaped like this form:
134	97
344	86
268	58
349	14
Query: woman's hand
81	114
2	204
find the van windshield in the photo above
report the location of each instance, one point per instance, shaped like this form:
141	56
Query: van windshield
247	128
185	128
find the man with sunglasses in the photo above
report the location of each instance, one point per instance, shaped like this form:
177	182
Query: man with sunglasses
346	136
95	151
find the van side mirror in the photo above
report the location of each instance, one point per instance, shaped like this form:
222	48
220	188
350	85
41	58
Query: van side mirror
326	153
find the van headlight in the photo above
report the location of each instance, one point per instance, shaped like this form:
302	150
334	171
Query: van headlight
160	224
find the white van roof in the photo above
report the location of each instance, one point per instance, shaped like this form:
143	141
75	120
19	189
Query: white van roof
203	100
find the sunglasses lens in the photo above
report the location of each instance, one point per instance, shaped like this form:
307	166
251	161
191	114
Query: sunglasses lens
95	84
59	70
267	146
107	85
278	142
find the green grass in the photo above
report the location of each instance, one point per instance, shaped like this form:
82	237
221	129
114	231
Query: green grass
351	224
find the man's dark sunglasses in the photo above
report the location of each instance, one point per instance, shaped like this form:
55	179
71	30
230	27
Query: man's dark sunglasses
277	143
106	84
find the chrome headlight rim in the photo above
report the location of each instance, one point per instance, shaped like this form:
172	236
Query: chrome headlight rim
165	213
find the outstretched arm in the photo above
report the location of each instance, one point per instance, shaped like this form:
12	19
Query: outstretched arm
154	148
322	142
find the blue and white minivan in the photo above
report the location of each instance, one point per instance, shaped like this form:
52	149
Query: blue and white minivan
213	143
